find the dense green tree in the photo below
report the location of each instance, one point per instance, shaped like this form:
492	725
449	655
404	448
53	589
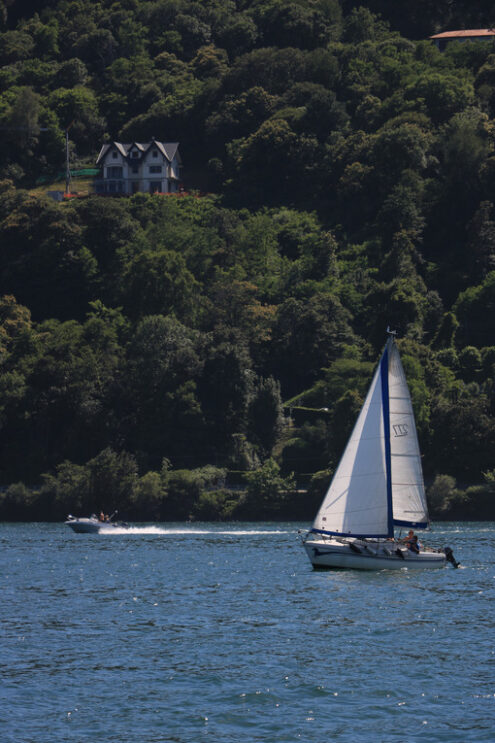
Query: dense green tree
106	482
444	94
158	283
46	264
185	488
238	34
224	389
240	115
481	244
303	331
72	73
308	450
470	363
97	49
463	437
14	46
266	490
277	68
290	24
440	494
77	108
475	311
163	364
362	25
350	171
265	416
256	158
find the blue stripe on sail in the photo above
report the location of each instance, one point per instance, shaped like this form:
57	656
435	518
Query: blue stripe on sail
416	524
386	427
348	536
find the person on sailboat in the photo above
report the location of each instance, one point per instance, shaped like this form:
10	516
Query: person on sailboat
413	545
407	540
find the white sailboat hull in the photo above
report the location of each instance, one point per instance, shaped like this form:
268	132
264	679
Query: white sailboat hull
338	553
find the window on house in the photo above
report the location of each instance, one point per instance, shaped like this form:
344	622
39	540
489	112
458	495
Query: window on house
154	153
135	168
155	168
114	155
134	153
115	172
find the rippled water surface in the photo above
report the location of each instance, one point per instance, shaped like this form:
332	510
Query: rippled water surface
225	634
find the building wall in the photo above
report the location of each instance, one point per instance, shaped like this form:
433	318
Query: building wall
442	43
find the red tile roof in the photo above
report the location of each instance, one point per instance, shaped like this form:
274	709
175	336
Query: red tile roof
469	33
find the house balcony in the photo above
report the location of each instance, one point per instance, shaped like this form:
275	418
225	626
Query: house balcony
121	186
110	185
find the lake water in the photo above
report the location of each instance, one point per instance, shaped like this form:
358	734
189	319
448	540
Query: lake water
225	634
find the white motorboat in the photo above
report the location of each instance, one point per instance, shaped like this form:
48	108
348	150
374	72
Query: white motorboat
378	485
95	525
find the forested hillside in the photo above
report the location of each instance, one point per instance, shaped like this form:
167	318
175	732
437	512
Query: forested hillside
158	351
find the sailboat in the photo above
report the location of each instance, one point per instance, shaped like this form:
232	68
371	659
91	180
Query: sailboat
378	485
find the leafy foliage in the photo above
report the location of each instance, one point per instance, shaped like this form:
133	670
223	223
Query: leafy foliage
350	168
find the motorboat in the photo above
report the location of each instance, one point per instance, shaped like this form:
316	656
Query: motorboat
95	525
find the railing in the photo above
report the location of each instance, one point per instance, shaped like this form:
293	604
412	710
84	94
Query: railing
133	185
110	185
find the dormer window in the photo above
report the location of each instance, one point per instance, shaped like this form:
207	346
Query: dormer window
134	153
114	155
154	153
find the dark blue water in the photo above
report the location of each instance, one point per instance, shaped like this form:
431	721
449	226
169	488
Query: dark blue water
225	634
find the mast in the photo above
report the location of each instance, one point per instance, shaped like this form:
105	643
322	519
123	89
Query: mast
67	161
384	371
67	164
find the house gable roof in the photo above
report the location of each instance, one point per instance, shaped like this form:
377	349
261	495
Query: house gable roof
168	149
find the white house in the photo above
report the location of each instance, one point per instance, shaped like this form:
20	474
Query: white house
153	167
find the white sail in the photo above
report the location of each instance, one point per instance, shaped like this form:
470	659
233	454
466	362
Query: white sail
356	501
379	479
408	492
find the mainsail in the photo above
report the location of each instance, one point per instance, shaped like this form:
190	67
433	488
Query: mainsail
408	491
379	481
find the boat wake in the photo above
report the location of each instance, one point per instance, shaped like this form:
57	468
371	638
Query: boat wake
164	531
